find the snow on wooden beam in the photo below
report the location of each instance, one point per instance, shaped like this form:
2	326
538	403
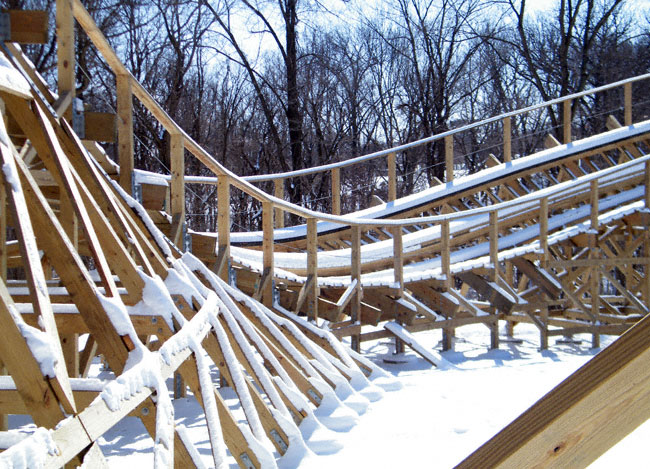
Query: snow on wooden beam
584	415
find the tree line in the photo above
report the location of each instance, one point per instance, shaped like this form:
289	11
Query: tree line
280	85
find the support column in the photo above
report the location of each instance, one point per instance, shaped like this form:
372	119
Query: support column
125	131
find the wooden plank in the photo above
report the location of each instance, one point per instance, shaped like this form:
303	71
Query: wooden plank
537	276
72	272
392	177
65	51
336	191
267	254
627	97
487	291
449	158
125	144
100	126
37	395
41	133
28	67
278	191
583	416
34	274
398	260
223	228
312	269
543	230
28	26
507	143
177	187
614	261
113	207
405	336
566	120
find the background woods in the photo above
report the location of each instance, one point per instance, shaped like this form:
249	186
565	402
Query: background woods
280	85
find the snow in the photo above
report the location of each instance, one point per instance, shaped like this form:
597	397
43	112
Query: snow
30	453
11	80
157	235
458	185
438	417
40	344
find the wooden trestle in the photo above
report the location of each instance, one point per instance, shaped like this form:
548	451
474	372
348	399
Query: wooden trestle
561	242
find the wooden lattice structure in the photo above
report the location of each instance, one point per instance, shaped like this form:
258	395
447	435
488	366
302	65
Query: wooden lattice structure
558	239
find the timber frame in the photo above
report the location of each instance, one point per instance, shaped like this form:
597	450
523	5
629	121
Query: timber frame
559	239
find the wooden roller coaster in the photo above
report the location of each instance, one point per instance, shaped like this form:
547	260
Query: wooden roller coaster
558	238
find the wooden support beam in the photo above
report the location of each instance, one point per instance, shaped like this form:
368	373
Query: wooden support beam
223	228
538	276
28	26
267	254
124	130
177	187
494	244
445	254
487	291
392	177
100	126
449	158
543	230
398	259
336	191
34	388
507	142
594	277
627	96
66	64
312	269
582	417
355	276
278	191
24	230
566	121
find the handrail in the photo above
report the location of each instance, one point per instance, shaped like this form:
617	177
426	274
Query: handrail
128	86
98	39
406	146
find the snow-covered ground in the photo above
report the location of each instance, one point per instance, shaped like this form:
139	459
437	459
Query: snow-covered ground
437	418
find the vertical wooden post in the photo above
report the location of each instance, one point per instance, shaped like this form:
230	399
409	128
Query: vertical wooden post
355	275
507	140
70	347
494	243
543	334
3	234
267	253
4	418
494	259
543	230
445	254
278	191
646	181
593	254
392	177
65	51
566	120
312	269
627	96
177	160
646	248
445	259
398	259
449	158
125	131
223	227
336	191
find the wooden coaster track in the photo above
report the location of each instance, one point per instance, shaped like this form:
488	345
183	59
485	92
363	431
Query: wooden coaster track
558	239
